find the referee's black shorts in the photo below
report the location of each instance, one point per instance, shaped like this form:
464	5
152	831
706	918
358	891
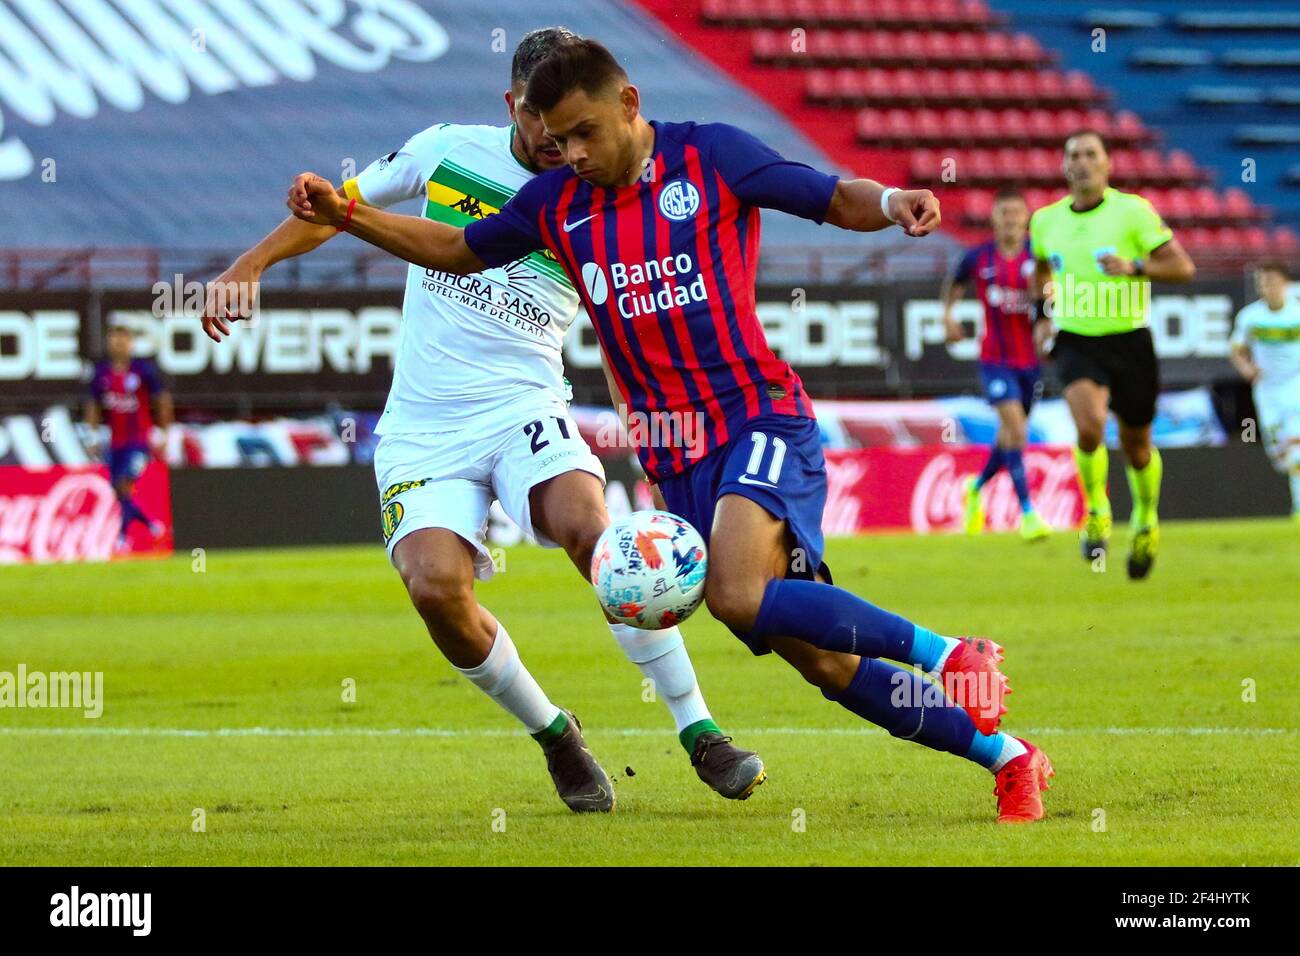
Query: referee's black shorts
1124	362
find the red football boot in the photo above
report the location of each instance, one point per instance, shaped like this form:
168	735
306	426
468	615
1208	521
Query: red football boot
971	679
1020	784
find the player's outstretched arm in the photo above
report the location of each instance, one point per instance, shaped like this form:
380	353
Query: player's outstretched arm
856	204
433	245
232	295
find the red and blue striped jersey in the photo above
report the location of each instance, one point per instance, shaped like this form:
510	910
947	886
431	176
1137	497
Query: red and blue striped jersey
1002	286
666	270
126	397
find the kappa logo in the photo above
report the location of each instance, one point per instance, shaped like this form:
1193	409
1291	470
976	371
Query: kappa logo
679	200
392	491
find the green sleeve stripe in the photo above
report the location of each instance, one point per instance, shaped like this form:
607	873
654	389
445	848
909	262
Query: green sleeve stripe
454	217
459	178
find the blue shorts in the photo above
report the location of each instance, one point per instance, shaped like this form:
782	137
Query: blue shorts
1003	383
775	461
127	462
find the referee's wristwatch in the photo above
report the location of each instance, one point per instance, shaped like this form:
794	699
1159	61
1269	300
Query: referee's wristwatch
1139	267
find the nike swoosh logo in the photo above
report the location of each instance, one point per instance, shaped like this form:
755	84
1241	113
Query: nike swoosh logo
746	480
570	226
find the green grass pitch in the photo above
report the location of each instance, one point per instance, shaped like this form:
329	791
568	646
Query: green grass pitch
1139	692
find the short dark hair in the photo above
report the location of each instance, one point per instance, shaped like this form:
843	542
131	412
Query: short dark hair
1009	192
1274	265
536	46
1089	131
582	64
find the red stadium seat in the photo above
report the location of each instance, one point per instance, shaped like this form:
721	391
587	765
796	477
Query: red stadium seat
1129	128
1025	49
909	45
1198	237
997	49
1181	166
1042	126
978	205
1285	241
987	126
1079	87
979	165
1009	163
958	127
1177	205
1019	86
1043	165
1049	86
967	49
1207	204
939	49
1237	205
925	165
1255	240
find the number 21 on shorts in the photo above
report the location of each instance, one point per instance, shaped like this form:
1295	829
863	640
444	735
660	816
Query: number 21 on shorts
534	432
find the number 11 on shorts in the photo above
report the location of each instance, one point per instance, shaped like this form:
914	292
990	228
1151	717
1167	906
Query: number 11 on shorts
756	458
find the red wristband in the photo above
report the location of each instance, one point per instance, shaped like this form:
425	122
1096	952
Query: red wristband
348	218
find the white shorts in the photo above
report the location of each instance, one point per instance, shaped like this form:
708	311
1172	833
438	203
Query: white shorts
1278	407
449	479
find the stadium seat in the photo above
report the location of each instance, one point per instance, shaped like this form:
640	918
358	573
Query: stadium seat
978	206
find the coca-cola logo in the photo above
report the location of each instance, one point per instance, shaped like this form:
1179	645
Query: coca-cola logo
939	493
76	519
843	512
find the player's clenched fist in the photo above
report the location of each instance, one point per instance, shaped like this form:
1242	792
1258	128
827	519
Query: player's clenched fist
915	210
313	199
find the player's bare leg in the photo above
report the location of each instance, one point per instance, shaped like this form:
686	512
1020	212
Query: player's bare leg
437	567
1089	405
843	639
1145	471
570	510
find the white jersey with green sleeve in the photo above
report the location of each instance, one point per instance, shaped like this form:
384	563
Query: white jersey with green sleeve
1086	301
467	343
1274	342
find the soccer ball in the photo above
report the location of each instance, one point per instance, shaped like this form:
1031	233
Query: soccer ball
648	570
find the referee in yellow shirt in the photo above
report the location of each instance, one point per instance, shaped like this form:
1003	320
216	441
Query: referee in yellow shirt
1096	251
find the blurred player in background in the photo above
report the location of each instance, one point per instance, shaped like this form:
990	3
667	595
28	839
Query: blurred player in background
658	226
1097	250
1266	351
125	392
477	411
1009	368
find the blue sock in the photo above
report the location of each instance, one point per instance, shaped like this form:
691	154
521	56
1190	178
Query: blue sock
1016	465
131	512
996	457
908	706
984	749
836	620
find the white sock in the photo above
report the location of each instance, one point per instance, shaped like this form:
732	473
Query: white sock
1011	749
662	656
505	679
